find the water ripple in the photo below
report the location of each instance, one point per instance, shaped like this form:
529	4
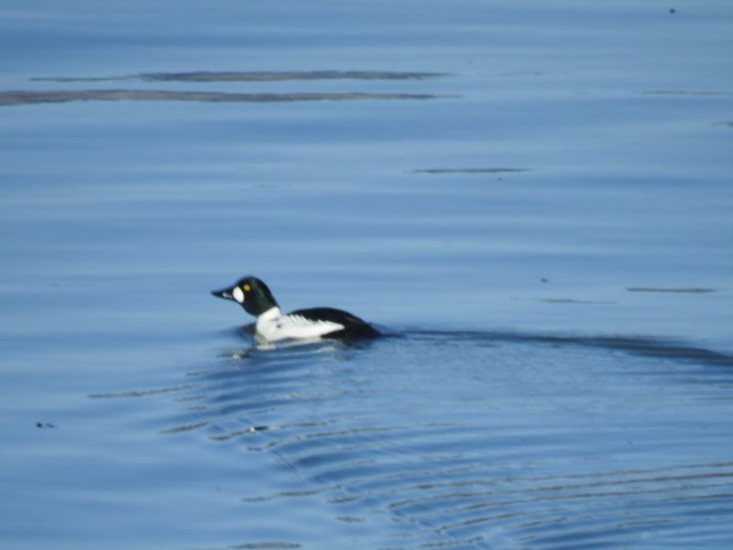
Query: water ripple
487	439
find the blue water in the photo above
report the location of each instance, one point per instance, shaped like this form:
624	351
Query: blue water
534	202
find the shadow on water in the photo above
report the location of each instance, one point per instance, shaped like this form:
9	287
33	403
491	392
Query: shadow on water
480	439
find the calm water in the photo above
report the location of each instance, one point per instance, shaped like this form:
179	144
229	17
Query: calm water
533	201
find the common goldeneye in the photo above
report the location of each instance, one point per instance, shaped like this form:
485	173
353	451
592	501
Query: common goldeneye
314	323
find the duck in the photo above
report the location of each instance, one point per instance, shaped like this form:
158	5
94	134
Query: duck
303	324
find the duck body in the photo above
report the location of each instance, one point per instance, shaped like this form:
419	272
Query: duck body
302	324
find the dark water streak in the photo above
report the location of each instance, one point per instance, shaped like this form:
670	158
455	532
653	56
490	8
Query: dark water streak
13	98
681	290
249	76
488	170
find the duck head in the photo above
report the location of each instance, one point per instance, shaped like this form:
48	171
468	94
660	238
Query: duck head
251	293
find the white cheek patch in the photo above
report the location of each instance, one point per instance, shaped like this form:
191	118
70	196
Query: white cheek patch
238	294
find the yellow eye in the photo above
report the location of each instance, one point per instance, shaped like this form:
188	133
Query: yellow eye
247	288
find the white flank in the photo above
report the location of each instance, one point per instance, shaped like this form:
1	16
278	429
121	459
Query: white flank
273	326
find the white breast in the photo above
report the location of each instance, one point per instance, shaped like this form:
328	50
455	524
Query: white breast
273	326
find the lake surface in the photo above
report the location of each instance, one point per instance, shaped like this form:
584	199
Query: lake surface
534	202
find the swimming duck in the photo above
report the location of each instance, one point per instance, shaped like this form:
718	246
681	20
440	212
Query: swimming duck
309	324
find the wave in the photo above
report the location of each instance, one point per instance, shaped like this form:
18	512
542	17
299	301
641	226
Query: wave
488	439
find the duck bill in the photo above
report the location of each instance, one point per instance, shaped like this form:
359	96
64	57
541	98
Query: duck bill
225	293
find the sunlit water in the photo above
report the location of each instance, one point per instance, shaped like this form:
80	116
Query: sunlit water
533	202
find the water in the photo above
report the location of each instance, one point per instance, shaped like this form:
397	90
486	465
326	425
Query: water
533	201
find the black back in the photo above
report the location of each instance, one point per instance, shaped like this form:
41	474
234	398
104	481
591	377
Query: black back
353	326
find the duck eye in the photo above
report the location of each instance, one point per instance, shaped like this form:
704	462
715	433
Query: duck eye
247	288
